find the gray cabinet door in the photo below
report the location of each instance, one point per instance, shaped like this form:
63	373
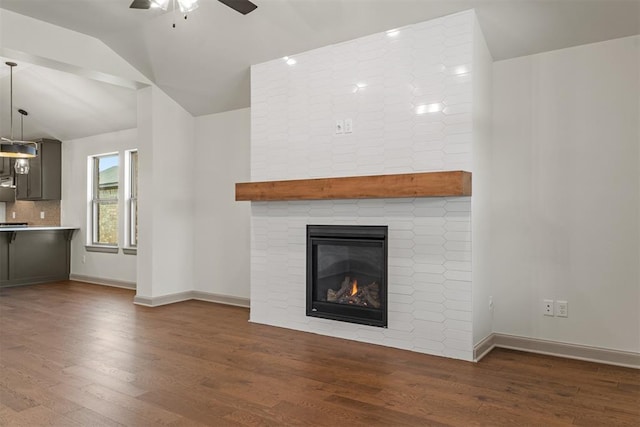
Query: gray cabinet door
43	182
5	167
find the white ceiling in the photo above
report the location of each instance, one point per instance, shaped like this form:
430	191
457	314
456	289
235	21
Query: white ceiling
62	105
204	62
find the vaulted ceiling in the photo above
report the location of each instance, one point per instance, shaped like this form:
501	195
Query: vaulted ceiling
204	62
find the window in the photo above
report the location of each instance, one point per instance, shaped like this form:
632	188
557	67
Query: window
131	194
104	200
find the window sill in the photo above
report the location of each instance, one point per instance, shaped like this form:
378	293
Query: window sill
102	249
130	251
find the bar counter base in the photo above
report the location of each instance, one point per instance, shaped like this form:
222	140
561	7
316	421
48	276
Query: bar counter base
31	256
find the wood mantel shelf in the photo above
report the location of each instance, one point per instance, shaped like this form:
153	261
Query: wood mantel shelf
424	184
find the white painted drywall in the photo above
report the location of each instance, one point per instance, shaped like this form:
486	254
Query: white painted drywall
145	272
566	194
481	199
222	225
166	138
114	267
25	38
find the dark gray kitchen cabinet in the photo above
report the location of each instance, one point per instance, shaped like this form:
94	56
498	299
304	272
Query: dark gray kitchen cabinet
5	167
33	255
43	182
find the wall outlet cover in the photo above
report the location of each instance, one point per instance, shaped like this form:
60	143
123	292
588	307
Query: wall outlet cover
547	307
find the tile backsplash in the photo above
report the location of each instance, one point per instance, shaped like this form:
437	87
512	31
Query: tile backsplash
29	212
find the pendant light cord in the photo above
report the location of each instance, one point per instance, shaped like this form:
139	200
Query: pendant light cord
11	102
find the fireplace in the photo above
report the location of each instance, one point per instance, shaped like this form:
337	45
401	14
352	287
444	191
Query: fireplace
347	273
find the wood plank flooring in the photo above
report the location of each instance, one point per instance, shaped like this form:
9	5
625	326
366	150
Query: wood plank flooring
74	354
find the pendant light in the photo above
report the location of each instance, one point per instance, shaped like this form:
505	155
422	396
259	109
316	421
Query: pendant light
21	165
8	146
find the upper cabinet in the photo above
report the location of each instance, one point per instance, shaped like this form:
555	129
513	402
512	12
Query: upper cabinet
43	182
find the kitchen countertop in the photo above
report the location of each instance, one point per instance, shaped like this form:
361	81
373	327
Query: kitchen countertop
37	228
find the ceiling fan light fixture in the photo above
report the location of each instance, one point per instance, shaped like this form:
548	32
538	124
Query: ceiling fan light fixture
160	4
187	6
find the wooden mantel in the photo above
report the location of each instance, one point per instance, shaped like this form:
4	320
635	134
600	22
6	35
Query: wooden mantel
425	184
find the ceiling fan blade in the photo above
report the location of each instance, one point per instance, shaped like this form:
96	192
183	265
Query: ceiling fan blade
140	4
242	6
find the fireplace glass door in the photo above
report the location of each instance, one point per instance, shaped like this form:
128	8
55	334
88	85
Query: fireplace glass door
347	273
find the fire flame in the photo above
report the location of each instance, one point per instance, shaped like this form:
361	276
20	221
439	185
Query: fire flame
354	288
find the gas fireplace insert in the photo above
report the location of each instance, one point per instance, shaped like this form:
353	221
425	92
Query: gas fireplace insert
347	273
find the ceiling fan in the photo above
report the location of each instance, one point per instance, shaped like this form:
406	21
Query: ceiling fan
242	6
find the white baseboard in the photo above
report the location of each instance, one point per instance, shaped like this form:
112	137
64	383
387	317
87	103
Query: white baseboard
103	281
221	299
484	347
553	348
164	299
189	295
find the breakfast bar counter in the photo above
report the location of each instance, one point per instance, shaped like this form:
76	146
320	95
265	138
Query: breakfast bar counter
30	255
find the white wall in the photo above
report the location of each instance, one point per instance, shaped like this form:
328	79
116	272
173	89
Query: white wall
222	225
111	267
166	137
566	194
481	200
3	208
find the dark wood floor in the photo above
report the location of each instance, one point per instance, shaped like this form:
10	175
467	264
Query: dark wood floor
73	354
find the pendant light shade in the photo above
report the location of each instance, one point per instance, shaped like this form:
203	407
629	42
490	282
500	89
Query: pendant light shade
19	151
21	166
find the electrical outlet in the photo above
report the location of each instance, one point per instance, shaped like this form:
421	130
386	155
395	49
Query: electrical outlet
41	214
547	307
491	304
13	215
562	308
339	126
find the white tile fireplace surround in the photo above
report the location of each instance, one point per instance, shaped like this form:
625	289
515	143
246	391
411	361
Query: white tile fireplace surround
429	262
413	97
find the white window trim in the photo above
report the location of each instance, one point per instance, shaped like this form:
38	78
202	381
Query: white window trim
91	244
130	247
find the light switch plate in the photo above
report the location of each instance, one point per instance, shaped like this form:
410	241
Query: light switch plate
562	309
348	125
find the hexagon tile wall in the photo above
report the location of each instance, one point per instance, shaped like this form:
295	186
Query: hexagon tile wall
408	95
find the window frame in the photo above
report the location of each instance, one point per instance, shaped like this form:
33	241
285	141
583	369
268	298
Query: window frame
132	167
95	201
